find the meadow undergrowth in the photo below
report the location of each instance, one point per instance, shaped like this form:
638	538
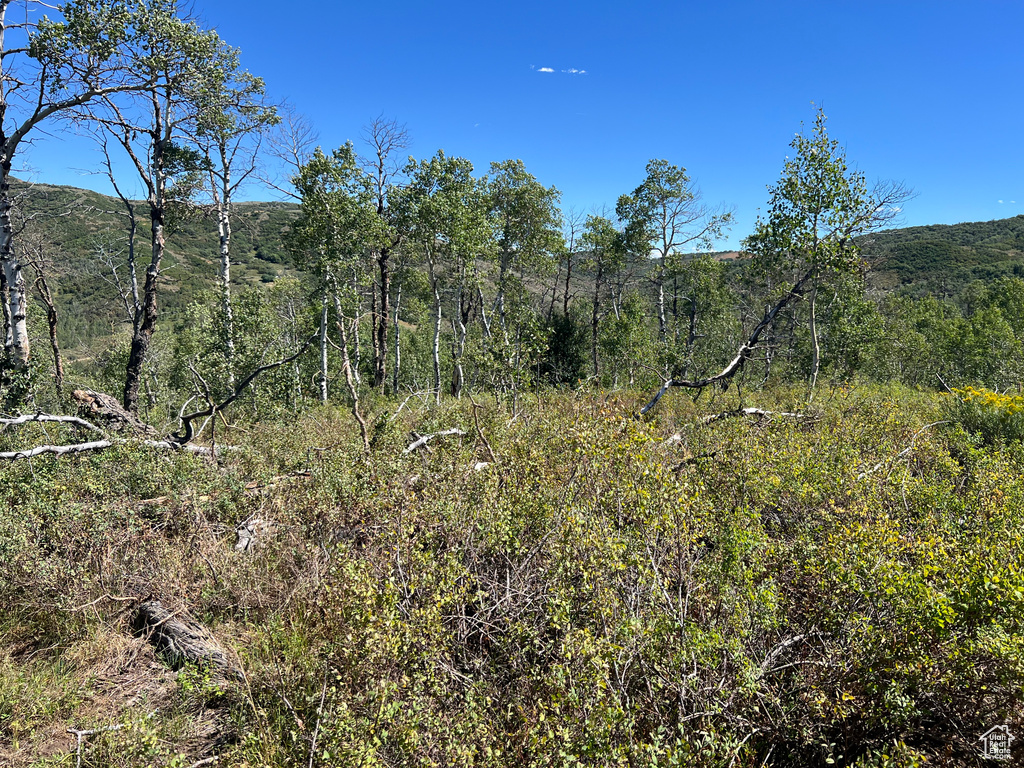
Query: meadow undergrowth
842	589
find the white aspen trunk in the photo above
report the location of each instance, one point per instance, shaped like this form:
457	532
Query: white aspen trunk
15	326
815	346
323	347
398	346
483	313
16	344
224	232
459	345
350	381
437	326
6	304
499	299
437	342
356	358
662	322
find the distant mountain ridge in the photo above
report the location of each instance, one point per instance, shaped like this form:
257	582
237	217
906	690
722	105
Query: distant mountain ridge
940	257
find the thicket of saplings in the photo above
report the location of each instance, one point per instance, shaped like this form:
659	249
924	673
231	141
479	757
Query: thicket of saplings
564	583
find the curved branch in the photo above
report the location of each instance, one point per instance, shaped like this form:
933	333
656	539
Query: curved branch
188	431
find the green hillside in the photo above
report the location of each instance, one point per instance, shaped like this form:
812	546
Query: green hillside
942	257
84	232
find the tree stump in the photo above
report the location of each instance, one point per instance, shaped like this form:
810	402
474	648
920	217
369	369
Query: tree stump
180	640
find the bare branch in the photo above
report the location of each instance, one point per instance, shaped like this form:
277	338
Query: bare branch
188	431
422	440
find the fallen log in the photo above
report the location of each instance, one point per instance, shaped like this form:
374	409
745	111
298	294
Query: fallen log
106	409
181	640
100	445
52	419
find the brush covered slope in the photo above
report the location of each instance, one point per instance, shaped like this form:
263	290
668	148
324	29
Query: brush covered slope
563	585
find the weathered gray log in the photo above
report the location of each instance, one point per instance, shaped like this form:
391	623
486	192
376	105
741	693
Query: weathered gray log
180	640
107	410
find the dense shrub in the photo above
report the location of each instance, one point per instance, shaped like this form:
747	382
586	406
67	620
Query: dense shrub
840	589
990	414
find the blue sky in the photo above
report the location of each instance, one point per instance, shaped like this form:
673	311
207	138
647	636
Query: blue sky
928	93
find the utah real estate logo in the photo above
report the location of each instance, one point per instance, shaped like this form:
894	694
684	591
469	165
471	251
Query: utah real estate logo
996	743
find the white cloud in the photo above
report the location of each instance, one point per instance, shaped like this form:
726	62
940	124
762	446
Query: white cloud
574	71
1013	201
1000	202
545	69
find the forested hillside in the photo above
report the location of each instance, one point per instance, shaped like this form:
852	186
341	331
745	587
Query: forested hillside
942	258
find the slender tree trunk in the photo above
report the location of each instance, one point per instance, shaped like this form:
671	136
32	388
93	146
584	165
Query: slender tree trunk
398	346
224	233
660	282
15	306
459	348
224	230
12	283
675	310
358	355
6	302
350	380
51	317
146	324
323	347
483	313
565	296
437	342
499	299
815	346
554	291
595	317
380	371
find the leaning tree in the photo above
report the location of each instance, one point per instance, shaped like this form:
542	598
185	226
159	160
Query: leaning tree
817	209
181	63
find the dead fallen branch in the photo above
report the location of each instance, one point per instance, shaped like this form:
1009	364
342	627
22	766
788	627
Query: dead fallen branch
50	418
480	432
107	596
57	450
421	440
902	453
745	351
751	412
188	430
102	407
99	445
